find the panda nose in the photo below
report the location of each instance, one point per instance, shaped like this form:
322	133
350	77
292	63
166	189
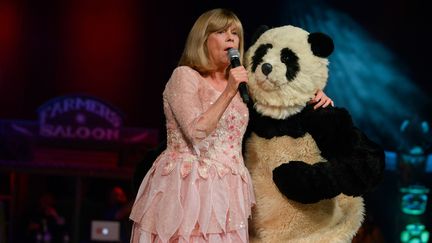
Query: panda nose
266	68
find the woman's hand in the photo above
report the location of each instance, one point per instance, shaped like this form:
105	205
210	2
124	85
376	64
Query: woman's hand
321	100
236	76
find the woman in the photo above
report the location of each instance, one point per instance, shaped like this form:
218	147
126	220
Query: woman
198	189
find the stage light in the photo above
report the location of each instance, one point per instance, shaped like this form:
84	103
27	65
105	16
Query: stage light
414	233
414	199
365	75
414	157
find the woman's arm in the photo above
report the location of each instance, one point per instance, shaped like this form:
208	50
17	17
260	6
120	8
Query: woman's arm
181	94
210	118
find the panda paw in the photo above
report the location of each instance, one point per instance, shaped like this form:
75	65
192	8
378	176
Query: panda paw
292	181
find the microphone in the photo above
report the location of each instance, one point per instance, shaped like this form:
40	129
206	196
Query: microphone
234	56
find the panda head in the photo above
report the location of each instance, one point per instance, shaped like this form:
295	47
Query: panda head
286	66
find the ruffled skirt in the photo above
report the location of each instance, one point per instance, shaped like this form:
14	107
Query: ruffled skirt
141	236
177	208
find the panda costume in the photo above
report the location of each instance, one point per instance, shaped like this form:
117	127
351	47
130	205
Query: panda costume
309	167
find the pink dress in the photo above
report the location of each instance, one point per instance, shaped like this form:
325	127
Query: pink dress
198	189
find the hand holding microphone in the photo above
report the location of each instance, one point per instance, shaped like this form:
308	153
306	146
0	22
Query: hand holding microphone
234	56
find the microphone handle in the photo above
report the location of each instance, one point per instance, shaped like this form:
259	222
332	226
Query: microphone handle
244	92
235	62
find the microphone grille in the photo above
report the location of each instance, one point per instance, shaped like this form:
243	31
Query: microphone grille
233	53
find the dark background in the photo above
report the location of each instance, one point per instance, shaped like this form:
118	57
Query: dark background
125	51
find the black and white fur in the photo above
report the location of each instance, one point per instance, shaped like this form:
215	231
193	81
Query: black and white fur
309	167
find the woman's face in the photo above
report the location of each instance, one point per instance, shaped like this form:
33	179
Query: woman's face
218	44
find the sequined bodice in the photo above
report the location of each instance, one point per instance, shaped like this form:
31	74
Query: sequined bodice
221	148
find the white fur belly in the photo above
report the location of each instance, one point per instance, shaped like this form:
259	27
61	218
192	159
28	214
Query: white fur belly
278	150
278	219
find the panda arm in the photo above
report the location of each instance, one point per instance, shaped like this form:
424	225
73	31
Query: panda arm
330	127
306	183
366	164
356	160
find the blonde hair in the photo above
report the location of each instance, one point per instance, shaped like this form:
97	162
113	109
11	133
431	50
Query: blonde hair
195	53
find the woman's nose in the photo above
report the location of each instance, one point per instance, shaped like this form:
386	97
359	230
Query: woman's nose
230	37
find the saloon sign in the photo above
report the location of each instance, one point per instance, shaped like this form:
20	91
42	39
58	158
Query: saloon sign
79	117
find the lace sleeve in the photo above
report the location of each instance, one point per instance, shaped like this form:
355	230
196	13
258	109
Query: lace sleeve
181	94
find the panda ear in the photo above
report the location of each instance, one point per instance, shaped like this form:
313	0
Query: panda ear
258	32
321	44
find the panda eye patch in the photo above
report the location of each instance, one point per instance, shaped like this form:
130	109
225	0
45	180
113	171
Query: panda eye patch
288	56
290	59
260	52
